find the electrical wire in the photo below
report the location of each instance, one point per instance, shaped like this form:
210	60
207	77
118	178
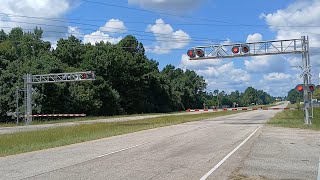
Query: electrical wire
122	29
147	23
150	11
161	38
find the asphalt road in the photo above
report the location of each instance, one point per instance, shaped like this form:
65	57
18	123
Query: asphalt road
187	151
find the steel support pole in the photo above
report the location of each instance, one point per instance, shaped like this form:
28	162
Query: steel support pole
306	79
17	104
29	98
25	98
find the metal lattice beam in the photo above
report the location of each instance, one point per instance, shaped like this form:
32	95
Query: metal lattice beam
63	77
255	49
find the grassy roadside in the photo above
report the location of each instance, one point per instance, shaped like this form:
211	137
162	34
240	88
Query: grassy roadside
294	119
42	139
53	120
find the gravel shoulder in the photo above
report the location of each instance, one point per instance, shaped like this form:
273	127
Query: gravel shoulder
279	153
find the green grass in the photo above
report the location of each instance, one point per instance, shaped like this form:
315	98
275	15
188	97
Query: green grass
295	119
53	120
42	139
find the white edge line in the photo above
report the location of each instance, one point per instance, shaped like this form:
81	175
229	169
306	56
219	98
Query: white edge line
121	150
226	157
319	170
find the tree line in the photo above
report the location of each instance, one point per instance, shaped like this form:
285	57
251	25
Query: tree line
250	96
127	81
296	97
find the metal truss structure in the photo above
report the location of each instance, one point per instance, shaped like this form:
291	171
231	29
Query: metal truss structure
254	49
30	79
62	77
274	47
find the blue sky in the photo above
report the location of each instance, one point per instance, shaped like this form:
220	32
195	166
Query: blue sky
168	28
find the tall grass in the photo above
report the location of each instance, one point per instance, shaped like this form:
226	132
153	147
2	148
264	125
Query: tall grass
295	119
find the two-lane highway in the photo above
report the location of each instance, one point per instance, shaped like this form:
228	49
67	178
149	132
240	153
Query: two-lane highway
187	151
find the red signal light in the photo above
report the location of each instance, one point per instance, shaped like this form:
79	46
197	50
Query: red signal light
311	87
308	87
235	49
199	52
245	48
191	53
84	76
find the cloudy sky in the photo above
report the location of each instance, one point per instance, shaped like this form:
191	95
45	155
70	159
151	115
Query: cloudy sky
168	28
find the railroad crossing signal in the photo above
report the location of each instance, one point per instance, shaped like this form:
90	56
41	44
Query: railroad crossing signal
87	76
192	53
308	87
199	52
273	47
311	87
299	87
244	49
235	49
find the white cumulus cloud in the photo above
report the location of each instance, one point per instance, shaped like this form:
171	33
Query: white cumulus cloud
266	64
42	8
276	77
298	19
74	31
225	75
15	14
107	33
166	38
99	36
114	26
254	37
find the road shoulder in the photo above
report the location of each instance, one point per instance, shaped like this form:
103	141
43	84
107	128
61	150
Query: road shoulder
279	153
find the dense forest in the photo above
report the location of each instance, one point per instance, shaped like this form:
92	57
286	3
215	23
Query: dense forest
126	82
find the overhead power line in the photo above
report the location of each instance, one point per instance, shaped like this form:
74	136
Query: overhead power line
122	29
145	34
150	11
72	21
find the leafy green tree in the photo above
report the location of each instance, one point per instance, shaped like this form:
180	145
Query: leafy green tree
294	96
70	51
249	96
3	36
316	94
